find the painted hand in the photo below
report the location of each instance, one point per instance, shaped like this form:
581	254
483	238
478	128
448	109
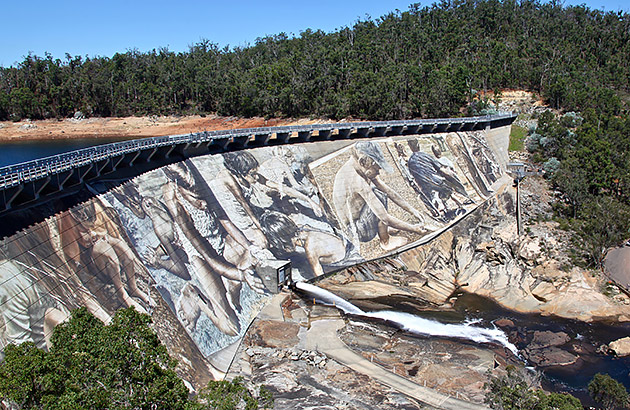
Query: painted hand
253	281
317	209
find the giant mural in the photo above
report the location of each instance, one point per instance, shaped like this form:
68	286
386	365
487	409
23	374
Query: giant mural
185	243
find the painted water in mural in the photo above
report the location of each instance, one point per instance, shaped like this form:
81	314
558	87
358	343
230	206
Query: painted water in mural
185	243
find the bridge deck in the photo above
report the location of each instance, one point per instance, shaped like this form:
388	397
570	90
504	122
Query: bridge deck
33	182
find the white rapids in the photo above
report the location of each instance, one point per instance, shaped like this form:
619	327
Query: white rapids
413	323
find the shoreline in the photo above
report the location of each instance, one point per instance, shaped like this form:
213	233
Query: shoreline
131	127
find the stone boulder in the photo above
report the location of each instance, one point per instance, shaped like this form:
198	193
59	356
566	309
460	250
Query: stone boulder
550	357
530	251
493	255
621	347
544	339
505	323
543	349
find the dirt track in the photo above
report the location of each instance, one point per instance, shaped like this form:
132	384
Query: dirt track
129	127
152	126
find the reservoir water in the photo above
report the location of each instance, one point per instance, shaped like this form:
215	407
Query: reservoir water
16	152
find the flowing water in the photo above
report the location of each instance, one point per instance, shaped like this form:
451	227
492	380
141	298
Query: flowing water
472	319
585	339
416	324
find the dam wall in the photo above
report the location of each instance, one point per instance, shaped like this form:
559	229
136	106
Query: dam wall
35	182
187	243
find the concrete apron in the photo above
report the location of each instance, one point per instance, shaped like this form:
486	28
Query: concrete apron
322	336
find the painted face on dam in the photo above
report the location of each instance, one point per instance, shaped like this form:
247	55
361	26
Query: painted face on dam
369	168
187	242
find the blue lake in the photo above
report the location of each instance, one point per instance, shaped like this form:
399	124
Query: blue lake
16	152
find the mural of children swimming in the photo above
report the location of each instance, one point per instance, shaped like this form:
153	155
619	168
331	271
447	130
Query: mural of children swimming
360	199
324	251
27	312
437	184
195	252
216	254
94	244
263	193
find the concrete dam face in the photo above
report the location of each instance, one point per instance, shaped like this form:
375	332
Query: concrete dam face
188	243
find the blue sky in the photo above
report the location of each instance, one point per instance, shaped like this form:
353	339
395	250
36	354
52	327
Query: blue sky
104	28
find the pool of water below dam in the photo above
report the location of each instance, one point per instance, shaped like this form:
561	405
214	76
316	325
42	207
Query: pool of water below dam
583	340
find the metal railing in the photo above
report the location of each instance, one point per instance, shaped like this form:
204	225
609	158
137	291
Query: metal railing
17	174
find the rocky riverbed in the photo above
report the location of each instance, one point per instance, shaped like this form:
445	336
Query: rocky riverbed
556	314
553	311
274	354
448	366
484	255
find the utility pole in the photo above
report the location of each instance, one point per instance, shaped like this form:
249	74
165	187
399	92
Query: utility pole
519	223
519	171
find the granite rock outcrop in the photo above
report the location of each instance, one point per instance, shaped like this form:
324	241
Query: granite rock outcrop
483	254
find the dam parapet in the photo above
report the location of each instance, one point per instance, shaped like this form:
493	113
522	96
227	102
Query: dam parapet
191	242
35	181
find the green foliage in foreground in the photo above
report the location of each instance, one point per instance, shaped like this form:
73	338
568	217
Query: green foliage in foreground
608	392
122	365
513	392
91	365
224	395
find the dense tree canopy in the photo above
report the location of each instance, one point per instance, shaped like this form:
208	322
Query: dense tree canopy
121	365
94	366
608	392
591	168
427	61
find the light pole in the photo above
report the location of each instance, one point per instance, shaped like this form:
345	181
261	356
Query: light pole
519	224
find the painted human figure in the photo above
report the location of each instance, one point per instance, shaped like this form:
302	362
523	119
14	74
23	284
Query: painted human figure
27	313
263	193
246	241
483	156
169	255
185	199
321	248
286	165
437	183
90	230
465	162
360	200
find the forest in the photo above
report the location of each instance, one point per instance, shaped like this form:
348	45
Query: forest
424	62
433	61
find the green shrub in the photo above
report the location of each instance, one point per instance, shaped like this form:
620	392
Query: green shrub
608	392
514	392
225	395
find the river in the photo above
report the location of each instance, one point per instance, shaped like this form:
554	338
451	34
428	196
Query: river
585	339
472	319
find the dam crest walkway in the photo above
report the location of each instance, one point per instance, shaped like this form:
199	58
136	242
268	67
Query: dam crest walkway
34	181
